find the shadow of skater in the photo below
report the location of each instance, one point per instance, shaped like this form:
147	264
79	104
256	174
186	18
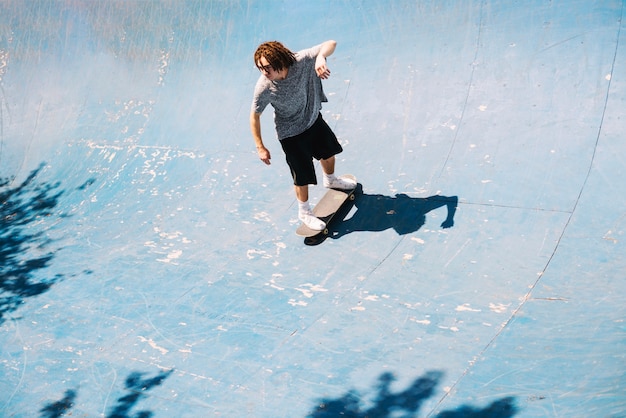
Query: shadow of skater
401	212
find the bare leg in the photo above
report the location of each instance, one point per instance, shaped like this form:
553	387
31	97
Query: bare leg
302	193
328	165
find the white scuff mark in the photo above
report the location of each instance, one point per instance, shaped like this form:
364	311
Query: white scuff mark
499	307
272	282
453	329
418	240
449	125
294	302
221	328
171	256
251	254
371	298
71	349
307	293
280	246
608	77
608	237
407	257
357	308
163	64
167	235
420	321
262	216
311	288
152	344
4	59
465	308
482	108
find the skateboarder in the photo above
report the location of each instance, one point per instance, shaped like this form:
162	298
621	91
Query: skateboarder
291	83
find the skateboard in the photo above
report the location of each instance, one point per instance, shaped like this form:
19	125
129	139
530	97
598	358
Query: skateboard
326	209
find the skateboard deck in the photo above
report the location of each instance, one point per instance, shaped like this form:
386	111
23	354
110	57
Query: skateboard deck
327	207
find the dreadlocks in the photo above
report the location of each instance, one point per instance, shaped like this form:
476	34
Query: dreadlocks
276	54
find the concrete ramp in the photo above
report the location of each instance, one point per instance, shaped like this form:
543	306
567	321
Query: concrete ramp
149	262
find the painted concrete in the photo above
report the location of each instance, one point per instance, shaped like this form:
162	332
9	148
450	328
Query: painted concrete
149	261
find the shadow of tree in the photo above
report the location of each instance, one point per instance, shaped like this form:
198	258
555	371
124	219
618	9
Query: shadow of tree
405	403
21	208
136	385
386	402
502	408
59	408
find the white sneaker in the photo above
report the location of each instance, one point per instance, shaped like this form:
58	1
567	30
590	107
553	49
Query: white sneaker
340	183
312	221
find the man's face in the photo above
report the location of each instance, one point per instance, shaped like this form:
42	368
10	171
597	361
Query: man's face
268	71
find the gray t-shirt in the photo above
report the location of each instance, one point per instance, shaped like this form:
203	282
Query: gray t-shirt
297	100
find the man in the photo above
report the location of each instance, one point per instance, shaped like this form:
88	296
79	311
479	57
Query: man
291	83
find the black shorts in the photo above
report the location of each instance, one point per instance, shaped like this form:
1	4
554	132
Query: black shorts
317	142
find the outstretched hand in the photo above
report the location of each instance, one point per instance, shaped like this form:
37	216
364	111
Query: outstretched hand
320	67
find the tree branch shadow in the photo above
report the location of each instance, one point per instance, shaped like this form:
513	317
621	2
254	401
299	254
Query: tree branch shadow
21	208
404	403
136	387
59	408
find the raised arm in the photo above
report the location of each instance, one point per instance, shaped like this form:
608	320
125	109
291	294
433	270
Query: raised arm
327	50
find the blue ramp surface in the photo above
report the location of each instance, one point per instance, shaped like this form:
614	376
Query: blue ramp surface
150	265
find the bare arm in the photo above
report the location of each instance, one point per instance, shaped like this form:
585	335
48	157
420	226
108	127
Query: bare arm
255	127
327	50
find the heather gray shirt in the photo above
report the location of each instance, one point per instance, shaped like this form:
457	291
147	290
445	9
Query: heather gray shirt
297	100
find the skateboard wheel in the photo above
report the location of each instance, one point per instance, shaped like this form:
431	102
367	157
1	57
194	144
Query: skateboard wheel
325	231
